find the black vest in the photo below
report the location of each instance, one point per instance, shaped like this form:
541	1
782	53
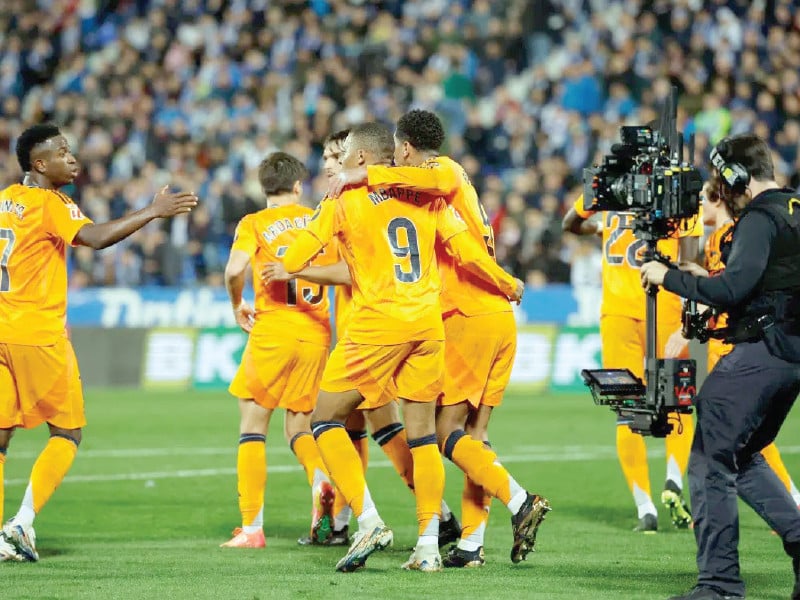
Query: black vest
775	301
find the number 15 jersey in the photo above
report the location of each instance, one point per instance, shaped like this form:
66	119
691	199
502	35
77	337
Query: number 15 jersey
623	294
296	309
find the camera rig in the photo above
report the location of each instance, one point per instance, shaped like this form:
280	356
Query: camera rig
647	176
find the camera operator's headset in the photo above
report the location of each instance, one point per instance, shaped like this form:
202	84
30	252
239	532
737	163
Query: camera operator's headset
733	174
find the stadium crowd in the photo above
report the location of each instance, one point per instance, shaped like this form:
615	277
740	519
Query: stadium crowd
196	92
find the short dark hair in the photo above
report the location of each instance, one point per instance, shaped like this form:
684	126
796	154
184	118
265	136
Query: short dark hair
30	138
752	153
422	129
375	137
336	136
278	173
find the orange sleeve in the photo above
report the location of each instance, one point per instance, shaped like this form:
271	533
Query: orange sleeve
318	234
472	257
432	178
244	239
578	206
63	217
469	254
448	224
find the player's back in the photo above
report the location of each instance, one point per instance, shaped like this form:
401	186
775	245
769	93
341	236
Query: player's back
296	309
389	245
462	290
36	225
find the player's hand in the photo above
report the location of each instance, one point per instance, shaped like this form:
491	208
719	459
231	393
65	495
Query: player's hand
676	344
693	269
245	316
168	204
346	178
653	273
275	272
517	296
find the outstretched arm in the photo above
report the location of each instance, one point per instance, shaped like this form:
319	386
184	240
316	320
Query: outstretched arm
164	205
473	257
433	178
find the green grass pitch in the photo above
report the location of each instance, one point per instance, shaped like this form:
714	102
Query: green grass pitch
153	493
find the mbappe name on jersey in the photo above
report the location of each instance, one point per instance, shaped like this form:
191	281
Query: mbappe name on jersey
383	194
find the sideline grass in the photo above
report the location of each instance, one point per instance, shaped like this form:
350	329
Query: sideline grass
153	493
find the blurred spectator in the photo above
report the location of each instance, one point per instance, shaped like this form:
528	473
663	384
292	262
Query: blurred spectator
194	94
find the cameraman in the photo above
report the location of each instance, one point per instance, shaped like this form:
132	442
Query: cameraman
746	398
718	215
622	336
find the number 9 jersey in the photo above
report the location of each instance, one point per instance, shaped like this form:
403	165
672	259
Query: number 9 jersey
623	294
297	309
390	247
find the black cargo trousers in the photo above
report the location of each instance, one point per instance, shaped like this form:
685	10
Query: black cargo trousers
740	409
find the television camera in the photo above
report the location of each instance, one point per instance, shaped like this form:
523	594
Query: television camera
646	175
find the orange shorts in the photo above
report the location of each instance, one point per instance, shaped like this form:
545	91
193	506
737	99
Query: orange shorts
285	375
412	371
479	355
40	383
623	342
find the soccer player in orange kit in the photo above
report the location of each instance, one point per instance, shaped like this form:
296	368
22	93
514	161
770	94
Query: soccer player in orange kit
393	346
38	371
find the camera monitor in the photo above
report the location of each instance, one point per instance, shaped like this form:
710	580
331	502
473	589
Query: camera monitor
613	382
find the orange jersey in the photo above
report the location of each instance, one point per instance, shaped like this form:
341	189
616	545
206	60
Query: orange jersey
462	291
389	248
714	266
623	294
36	225
343	300
295	309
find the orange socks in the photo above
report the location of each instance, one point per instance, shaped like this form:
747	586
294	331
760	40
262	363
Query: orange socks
47	474
774	460
2	485
480	464
251	472
678	446
475	503
428	486
342	512
392	440
632	454
345	468
307	453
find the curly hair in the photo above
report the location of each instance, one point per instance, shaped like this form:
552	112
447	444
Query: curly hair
29	139
422	129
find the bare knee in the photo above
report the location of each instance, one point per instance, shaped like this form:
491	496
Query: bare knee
5	438
357	421
74	435
335	406
420	419
296	423
381	417
449	419
253	418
